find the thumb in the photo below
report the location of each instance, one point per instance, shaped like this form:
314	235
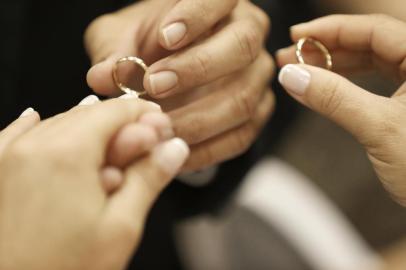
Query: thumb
126	211
353	108
105	43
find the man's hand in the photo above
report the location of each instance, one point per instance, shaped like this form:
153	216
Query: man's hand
209	69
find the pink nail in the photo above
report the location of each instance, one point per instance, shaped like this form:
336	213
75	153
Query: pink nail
295	79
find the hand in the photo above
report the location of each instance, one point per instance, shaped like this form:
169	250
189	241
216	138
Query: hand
357	43
210	70
54	212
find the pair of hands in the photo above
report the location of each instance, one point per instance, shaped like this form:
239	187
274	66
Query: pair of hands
211	74
357	43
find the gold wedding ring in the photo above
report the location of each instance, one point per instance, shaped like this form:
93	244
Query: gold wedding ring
139	62
299	48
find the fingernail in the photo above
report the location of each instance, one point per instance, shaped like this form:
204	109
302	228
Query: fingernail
27	112
171	155
130	95
294	79
89	100
155	105
163	81
174	33
161	123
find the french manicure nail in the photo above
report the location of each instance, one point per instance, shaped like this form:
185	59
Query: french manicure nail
27	112
171	155
294	79
155	105
162	81
174	33
130	95
89	100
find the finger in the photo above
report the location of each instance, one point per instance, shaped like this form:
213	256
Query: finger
377	33
224	110
92	127
89	100
356	110
236	46
345	61
189	19
111	179
126	210
131	142
27	120
232	143
136	139
106	47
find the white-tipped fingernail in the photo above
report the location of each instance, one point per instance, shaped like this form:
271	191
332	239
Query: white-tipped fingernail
157	106
294	79
27	112
89	100
163	81
171	155
130	95
174	33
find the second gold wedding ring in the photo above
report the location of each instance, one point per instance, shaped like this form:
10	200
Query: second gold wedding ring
299	51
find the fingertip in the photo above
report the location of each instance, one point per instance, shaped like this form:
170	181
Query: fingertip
298	31
131	142
173	35
111	179
160	122
100	79
31	114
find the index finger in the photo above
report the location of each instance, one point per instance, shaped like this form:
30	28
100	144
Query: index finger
189	19
381	34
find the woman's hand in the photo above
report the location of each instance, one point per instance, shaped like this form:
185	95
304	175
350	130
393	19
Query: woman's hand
357	43
55	213
210	69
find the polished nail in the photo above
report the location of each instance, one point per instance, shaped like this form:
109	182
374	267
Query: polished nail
163	81
174	33
171	155
295	79
130	95
89	100
27	112
155	105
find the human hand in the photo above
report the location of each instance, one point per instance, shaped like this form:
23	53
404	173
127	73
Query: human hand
54	212
357	43
213	81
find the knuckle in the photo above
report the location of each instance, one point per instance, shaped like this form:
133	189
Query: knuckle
201	64
21	150
269	65
245	104
331	99
249	42
244	138
263	19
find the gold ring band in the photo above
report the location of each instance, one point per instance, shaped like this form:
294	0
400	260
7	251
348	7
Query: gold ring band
317	44
121	85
